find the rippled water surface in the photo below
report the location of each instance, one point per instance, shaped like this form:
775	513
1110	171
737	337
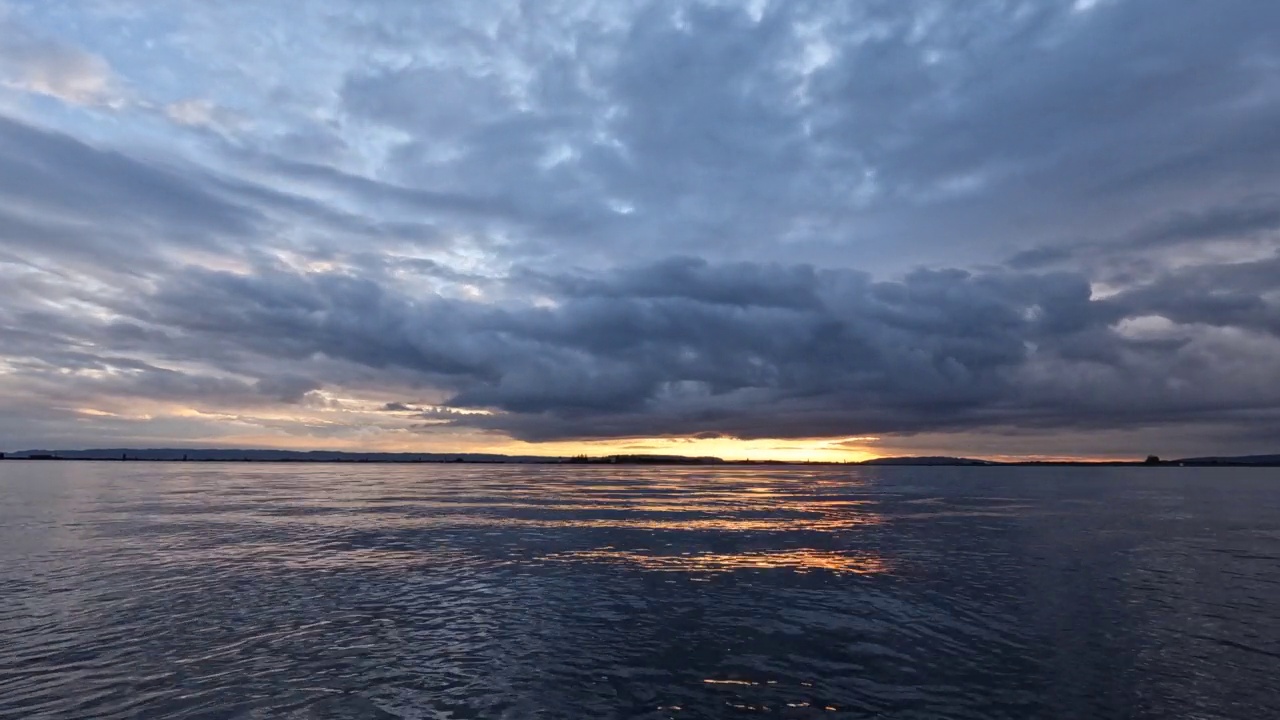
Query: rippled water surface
423	591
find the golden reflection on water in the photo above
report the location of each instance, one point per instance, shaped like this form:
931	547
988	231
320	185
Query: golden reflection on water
749	505
411	522
481	501
800	560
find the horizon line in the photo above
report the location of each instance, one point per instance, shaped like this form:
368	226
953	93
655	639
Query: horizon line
673	458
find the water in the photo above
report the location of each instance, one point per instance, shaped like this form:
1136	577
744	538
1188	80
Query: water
335	591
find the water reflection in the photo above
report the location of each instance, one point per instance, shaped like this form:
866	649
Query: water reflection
380	524
137	590
803	560
307	556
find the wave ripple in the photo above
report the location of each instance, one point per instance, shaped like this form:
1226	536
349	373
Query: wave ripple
331	591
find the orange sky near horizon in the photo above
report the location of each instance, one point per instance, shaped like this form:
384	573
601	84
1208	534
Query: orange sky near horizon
732	449
803	450
358	427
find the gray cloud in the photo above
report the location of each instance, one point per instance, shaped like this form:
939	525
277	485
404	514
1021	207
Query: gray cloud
745	350
47	66
1254	220
68	201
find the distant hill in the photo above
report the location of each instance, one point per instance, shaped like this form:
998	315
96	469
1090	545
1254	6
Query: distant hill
1258	460
646	460
1234	461
927	461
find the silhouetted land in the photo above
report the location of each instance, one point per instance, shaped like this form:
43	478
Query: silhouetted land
331	456
1150	461
927	461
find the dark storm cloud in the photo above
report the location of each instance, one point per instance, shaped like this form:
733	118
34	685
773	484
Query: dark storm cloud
742	284
1238	295
1040	257
287	388
1253	219
749	350
1244	220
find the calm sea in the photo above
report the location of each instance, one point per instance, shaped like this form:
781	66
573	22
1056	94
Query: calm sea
134	590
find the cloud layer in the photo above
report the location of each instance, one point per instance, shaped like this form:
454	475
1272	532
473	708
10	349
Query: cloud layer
425	224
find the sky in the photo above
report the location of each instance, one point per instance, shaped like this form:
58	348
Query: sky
798	229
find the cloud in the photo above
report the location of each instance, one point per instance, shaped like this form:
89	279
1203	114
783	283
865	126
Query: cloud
1249	221
203	113
627	219
43	65
287	388
689	347
63	196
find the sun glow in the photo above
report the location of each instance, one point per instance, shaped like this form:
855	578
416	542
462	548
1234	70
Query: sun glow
792	450
353	423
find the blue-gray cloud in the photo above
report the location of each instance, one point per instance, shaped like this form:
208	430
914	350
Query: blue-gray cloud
743	350
622	219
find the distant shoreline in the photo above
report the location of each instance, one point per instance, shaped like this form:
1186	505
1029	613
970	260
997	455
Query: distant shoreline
342	458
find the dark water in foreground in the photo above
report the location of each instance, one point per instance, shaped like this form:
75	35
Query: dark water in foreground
252	591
